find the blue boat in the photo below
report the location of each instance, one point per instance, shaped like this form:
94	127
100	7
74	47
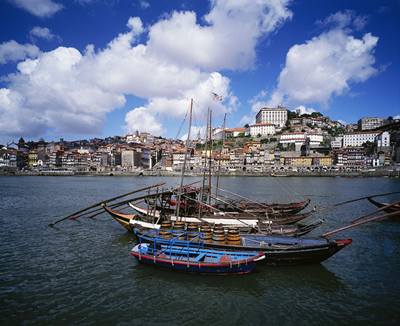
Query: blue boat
279	250
189	256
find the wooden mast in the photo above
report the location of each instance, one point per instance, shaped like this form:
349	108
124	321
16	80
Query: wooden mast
220	153
205	162
184	159
210	157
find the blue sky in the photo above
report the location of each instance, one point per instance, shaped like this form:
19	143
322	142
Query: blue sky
97	68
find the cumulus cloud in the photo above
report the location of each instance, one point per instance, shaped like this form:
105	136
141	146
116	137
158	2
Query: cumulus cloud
139	118
40	8
226	41
77	90
12	51
326	65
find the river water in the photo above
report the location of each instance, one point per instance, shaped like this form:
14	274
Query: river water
82	272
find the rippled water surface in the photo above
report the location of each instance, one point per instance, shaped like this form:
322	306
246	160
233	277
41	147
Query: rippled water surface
82	273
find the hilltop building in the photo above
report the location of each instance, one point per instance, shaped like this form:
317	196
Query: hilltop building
370	123
276	116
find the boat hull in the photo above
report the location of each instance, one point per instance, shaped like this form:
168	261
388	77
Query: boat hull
181	264
280	251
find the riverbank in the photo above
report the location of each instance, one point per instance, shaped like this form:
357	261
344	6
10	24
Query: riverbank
391	173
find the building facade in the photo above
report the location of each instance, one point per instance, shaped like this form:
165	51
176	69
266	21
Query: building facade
262	129
370	123
357	139
276	116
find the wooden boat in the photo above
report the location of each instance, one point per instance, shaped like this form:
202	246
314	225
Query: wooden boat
290	208
227	218
194	259
278	250
392	209
129	221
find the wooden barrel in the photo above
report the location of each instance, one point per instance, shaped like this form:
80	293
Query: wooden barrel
218	234
233	236
192	230
206	233
165	233
179	228
166	225
165	230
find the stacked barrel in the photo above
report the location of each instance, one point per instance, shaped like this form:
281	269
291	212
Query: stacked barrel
233	237
165	230
179	228
218	234
206	233
192	231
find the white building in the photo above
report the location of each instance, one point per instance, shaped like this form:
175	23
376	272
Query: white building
276	116
263	129
337	142
370	123
356	139
293	137
301	137
383	140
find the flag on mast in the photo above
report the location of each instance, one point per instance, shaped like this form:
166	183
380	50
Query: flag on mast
216	97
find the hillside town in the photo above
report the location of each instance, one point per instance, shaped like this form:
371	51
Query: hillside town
280	142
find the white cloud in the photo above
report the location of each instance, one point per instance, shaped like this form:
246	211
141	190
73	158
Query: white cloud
140	119
43	33
40	8
226	41
344	20
12	51
77	89
303	110
325	66
396	116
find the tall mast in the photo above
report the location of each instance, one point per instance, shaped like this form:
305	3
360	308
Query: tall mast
184	159
220	153
205	162
210	158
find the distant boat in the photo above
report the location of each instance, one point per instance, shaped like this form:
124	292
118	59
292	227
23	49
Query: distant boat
187	257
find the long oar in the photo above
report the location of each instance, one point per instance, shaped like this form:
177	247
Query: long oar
104	201
378	210
361	198
371	219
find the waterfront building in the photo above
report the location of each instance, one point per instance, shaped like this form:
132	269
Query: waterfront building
350	158
262	129
356	139
276	116
368	123
130	159
33	158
